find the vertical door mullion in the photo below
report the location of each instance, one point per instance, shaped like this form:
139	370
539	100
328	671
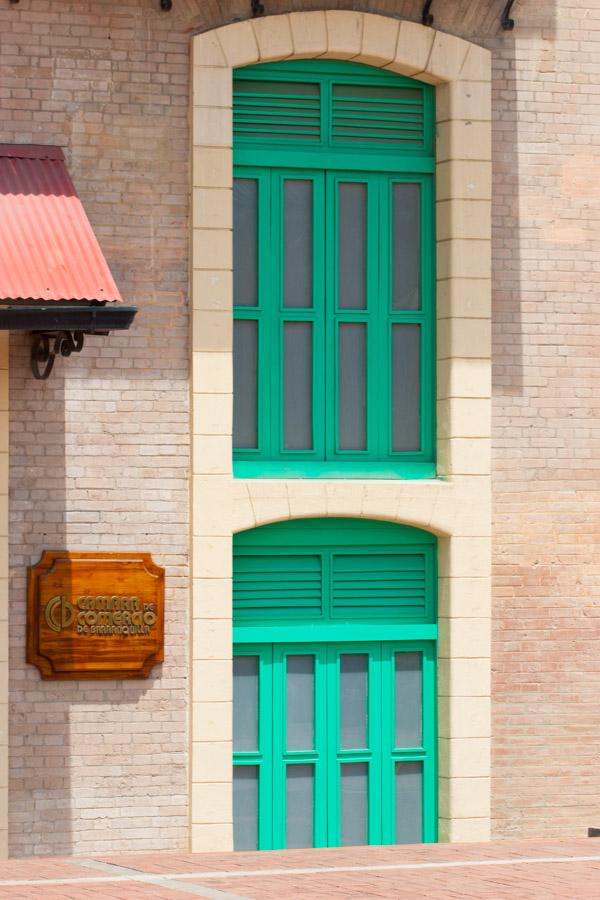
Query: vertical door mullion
430	744
333	730
313	315
260	756
384	328
320	397
320	772
427	753
340	316
265	738
330	326
387	744
375	362
375	796
287	758
278	717
428	305
276	411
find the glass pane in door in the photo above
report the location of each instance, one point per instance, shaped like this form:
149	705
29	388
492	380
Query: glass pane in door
245	807
406	387
245	383
299	805
409	802
352	386
245	703
354	669
354	804
352	245
406	246
298	243
298	385
409	700
300	702
245	241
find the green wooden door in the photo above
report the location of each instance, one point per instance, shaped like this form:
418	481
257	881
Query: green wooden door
334	744
334	684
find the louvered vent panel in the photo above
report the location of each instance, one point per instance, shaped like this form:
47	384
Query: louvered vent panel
373	114
276	585
276	110
378	584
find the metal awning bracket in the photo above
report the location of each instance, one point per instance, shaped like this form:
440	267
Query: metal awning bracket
58	329
426	15
507	23
47	345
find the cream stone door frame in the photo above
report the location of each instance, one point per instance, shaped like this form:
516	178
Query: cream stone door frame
456	505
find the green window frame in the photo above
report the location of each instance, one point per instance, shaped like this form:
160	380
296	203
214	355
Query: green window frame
313	144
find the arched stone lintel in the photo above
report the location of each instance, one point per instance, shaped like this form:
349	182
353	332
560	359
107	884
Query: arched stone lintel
408	48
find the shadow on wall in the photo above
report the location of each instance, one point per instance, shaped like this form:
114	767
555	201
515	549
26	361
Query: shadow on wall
89	759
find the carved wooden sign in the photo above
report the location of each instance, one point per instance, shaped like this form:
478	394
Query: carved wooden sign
95	615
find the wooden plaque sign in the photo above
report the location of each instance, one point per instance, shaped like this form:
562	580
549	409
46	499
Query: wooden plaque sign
95	615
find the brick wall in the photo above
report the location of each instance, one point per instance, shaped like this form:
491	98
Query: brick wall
546	437
100	453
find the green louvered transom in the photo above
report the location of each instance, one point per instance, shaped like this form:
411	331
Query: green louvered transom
271	585
385	582
271	110
378	114
322	106
337	576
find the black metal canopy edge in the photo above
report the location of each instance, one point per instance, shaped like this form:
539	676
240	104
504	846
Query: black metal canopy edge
58	329
59	317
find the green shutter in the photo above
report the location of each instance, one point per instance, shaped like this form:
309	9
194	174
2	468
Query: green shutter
276	585
276	110
382	116
378	584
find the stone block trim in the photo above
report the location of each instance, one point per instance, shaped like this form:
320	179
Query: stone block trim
456	508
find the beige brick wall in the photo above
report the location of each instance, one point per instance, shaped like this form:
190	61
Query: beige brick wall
546	439
109	83
100	452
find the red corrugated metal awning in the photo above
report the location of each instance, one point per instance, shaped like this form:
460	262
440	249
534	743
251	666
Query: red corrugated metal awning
48	250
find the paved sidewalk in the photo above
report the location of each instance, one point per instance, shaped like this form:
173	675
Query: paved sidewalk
569	870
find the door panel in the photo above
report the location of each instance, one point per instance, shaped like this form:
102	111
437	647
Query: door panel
334	337
334	744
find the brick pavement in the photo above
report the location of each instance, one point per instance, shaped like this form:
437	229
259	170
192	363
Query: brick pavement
520	871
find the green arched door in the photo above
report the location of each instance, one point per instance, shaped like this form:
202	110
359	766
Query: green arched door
334	684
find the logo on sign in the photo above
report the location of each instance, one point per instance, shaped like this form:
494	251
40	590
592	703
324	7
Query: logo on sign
59	614
101	615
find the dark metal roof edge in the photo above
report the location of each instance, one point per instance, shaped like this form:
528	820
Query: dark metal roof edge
32	151
52	317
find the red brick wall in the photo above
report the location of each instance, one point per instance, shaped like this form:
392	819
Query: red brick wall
546	353
100	453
